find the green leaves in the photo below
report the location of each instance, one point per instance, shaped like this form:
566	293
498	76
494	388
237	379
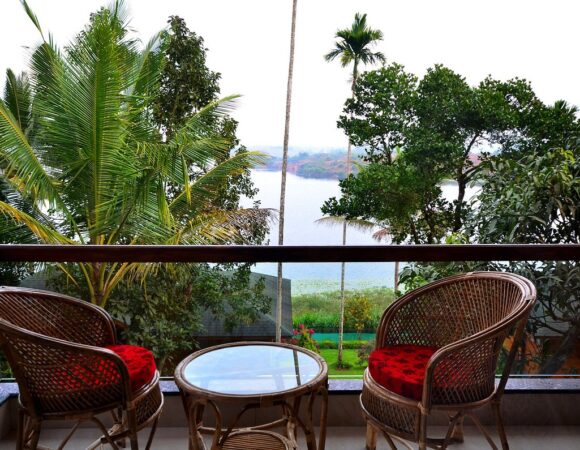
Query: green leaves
354	44
78	137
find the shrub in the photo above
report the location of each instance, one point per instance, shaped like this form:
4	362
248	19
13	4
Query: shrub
364	351
303	338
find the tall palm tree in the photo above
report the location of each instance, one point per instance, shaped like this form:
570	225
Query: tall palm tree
90	162
353	45
284	170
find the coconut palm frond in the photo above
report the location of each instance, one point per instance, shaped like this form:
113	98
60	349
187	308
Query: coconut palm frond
32	17
381	234
220	226
18	99
357	224
45	233
22	162
204	188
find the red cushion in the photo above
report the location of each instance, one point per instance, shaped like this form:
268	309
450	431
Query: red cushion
401	368
139	361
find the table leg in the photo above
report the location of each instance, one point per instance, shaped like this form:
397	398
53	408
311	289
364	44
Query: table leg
323	415
194	417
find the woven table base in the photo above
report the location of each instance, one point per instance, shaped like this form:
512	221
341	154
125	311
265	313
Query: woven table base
257	440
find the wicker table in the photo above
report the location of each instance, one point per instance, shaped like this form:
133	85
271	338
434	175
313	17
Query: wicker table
249	375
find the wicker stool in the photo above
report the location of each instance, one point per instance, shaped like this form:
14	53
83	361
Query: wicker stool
257	440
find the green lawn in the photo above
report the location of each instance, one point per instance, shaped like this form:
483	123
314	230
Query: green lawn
349	356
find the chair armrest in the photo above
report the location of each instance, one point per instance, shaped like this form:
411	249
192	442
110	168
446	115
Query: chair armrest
464	371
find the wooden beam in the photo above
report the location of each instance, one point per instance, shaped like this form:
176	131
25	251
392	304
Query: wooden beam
288	254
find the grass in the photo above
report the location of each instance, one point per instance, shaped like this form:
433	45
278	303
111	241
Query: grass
349	357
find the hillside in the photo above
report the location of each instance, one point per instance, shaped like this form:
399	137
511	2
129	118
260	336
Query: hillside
314	165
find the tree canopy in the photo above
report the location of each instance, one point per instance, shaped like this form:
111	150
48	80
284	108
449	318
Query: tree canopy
91	161
418	133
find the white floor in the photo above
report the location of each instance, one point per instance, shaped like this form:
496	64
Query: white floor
344	438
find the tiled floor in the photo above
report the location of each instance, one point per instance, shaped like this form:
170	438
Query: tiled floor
349	438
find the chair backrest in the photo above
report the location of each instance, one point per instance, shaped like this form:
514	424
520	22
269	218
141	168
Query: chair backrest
51	342
56	315
455	308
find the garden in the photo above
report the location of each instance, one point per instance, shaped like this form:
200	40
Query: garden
316	319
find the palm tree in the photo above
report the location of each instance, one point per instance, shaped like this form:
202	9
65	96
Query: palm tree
90	162
353	45
284	170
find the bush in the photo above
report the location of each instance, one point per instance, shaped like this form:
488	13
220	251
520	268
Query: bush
321	311
303	338
364	351
357	313
353	345
328	344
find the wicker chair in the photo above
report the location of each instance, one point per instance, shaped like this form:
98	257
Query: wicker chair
461	323
55	346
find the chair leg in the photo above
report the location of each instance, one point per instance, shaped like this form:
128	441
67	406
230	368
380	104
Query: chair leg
152	433
457	434
132	424
371	437
35	437
20	435
423	432
495	405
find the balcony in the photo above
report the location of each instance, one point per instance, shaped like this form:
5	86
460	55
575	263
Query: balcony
540	411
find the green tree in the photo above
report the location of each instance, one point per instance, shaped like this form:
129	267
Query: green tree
353	46
16	96
358	313
534	200
92	163
416	135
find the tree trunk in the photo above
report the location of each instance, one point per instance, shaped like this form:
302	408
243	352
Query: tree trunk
461	182
284	169
343	266
555	362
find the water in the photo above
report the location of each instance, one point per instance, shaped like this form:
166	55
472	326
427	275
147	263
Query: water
304	197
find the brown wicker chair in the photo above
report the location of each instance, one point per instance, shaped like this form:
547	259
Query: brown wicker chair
55	347
464	319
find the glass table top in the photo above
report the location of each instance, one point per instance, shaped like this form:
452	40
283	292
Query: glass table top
251	370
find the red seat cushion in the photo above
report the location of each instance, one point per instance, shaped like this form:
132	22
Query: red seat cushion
139	361
401	368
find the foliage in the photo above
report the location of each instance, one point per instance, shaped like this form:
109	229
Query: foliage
534	200
186	86
302	337
164	312
354	45
364	352
418	133
358	312
350	345
321	311
93	164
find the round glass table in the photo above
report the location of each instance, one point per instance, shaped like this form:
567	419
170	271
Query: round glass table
253	375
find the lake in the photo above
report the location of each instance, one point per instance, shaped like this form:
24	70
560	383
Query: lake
304	197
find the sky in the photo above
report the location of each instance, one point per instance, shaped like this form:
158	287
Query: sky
249	40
